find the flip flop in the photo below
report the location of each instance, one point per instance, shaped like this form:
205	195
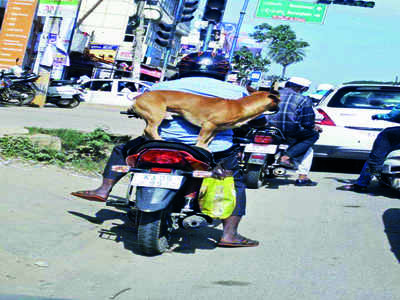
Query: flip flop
88	196
245	242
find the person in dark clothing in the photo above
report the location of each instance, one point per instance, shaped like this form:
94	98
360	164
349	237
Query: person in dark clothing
386	141
296	119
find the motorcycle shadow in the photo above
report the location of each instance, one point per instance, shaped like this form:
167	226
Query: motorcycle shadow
391	222
182	241
276	182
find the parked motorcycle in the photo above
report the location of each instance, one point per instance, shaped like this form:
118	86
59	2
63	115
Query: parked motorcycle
260	150
18	89
390	175
165	179
63	93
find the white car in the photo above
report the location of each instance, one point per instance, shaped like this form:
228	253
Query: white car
119	92
345	117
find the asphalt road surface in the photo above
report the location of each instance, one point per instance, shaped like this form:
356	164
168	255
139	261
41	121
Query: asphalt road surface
315	242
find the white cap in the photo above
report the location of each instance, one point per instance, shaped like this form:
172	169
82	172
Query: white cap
300	81
325	87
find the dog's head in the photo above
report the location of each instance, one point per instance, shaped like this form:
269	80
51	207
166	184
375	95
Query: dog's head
271	99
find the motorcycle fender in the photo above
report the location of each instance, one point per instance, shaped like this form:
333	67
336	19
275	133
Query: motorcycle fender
257	158
149	199
391	166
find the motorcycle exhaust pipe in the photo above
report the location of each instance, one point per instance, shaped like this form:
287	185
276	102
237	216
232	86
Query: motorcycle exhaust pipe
279	172
194	221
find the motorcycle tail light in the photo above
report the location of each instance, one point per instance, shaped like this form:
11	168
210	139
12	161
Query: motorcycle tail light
161	170
120	169
326	120
166	158
257	156
262	139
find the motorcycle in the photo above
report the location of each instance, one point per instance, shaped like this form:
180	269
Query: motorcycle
165	179
260	150
63	93
20	90
390	175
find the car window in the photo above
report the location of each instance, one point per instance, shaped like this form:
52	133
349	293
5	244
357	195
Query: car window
86	85
143	88
366	97
126	86
101	85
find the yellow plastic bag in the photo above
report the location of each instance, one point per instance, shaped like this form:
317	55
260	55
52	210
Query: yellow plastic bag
217	197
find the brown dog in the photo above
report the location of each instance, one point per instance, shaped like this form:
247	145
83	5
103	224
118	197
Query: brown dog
209	113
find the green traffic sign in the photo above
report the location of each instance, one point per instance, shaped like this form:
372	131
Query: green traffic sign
291	10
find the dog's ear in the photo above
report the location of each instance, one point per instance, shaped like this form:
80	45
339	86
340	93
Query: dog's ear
275	98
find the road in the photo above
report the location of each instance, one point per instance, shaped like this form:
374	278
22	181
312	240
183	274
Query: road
316	242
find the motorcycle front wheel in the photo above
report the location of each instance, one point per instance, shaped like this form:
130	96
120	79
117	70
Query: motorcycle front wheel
254	177
152	232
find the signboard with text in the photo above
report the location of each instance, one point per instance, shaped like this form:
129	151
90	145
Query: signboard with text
58	8
102	52
15	31
291	11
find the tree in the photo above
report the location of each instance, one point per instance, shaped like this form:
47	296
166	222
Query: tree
246	62
284	48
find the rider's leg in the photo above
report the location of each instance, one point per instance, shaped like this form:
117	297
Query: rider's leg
386	141
304	141
110	178
230	225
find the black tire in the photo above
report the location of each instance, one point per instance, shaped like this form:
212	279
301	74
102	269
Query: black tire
25	94
74	103
67	103
152	232
254	177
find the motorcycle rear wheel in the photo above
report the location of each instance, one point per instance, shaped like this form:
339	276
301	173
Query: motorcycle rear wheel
254	177
25	94
152	232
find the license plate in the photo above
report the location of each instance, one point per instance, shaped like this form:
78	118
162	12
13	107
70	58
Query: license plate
269	149
166	181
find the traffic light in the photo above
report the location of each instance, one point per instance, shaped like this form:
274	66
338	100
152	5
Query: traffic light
164	34
189	7
214	11
358	3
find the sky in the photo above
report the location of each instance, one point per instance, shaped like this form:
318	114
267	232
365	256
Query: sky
354	43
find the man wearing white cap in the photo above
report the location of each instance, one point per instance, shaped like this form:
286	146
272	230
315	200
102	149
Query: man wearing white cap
296	119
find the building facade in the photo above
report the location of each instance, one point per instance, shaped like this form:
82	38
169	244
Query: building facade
110	26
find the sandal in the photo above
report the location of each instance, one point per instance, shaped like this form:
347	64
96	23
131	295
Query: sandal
245	242
88	195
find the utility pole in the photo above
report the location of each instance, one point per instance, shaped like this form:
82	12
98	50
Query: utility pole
80	21
138	42
237	31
